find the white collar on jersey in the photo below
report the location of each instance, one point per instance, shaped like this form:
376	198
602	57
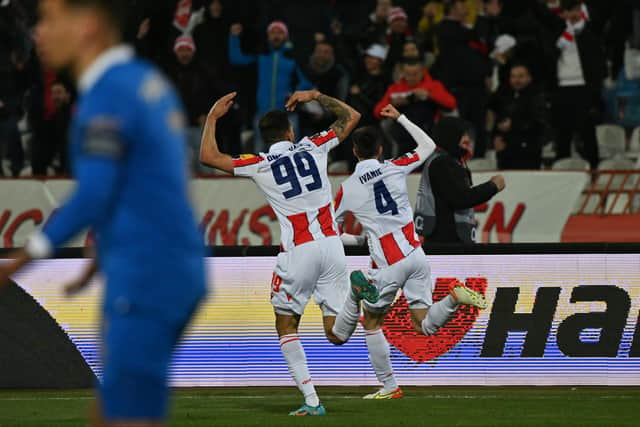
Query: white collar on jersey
280	147
107	59
367	164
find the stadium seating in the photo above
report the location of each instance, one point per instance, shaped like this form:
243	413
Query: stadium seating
571	163
611	140
634	144
479	165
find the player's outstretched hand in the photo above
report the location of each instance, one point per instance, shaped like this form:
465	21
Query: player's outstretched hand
222	105
301	96
389	111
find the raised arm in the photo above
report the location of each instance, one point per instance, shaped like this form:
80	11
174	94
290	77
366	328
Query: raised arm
426	145
210	154
236	56
347	117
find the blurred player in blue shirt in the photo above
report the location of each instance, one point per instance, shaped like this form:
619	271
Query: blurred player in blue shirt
128	156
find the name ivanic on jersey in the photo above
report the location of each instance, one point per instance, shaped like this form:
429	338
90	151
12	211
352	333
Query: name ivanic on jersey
369	176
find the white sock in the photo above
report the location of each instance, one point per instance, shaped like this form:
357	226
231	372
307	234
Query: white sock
347	319
438	314
297	362
379	356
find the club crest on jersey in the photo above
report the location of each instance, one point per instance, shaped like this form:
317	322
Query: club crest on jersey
246	160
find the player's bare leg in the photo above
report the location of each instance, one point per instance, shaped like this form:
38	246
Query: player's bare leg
439	313
340	328
293	353
379	356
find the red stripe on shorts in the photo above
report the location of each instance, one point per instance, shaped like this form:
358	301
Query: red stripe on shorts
300	224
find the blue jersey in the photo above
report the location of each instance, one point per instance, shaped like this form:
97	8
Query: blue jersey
128	156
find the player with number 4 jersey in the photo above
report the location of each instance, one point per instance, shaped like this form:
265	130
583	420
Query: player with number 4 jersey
376	194
293	178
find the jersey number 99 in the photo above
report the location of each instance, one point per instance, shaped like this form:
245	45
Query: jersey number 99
285	172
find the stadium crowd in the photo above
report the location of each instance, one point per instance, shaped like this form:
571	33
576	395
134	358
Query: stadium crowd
533	78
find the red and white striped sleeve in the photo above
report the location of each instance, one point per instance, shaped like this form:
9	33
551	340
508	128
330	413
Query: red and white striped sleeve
246	165
325	140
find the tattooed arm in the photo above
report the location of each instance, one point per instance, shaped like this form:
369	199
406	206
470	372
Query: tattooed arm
347	117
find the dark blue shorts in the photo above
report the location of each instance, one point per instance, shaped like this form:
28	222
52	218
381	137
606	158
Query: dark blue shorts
137	349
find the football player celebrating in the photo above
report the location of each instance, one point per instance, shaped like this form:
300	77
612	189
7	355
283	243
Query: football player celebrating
293	178
376	194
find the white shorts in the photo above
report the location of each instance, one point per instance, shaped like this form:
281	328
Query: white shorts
412	275
318	268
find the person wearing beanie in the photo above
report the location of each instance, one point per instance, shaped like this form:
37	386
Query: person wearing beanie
278	73
370	85
446	195
195	85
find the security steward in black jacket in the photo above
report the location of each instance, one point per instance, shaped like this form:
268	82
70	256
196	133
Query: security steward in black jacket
444	209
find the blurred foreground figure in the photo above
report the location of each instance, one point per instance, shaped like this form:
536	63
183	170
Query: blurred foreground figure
127	154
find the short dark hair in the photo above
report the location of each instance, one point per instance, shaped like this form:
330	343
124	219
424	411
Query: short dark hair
274	125
114	10
367	142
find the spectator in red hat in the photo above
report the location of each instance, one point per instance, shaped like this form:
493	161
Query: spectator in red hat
397	34
197	87
278	73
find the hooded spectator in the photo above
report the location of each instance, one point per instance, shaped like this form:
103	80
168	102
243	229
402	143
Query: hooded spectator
446	195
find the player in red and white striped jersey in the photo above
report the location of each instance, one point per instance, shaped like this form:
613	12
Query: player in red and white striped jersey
293	178
376	194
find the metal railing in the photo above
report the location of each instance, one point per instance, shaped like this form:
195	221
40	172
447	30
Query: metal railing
611	192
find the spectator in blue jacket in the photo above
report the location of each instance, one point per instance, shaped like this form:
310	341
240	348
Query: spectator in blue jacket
278	73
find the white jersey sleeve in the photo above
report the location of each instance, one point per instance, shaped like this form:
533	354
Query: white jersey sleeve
339	206
326	140
247	165
426	146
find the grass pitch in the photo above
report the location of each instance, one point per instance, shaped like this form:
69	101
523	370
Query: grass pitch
433	407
